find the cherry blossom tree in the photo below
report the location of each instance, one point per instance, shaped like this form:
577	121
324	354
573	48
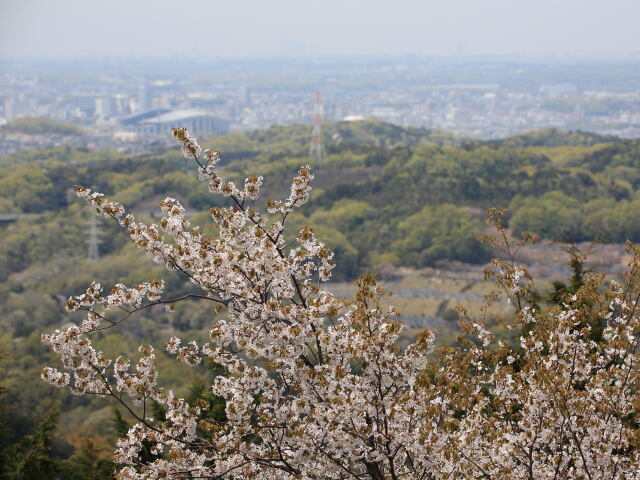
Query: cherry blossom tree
316	387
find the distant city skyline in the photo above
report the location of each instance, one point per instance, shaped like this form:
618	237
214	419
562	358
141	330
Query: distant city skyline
64	29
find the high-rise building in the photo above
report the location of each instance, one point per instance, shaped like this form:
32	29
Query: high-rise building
16	107
9	109
244	96
106	107
144	98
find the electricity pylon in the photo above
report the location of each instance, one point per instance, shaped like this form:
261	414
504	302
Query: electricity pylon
316	149
93	253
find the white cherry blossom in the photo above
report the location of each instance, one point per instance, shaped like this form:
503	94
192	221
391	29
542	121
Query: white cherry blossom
316	387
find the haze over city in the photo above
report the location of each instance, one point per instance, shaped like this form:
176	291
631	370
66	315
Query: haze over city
341	239
49	29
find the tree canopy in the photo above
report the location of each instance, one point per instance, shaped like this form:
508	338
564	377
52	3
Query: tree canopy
315	386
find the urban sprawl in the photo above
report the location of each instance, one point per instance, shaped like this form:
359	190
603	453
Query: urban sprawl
492	98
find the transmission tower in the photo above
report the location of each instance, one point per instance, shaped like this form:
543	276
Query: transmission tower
94	232
316	149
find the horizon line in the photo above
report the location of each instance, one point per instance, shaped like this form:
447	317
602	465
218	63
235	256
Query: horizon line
553	58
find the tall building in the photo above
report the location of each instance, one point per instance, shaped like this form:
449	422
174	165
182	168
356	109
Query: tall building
106	107
84	105
144	98
244	96
9	109
16	107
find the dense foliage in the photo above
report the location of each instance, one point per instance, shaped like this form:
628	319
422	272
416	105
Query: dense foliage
316	387
384	194
393	173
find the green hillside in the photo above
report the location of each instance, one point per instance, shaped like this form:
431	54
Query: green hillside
41	126
554	137
383	195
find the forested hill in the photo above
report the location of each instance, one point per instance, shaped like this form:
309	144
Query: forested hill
383	194
553	137
417	202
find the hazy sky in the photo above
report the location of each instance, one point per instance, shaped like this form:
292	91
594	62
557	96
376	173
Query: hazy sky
268	28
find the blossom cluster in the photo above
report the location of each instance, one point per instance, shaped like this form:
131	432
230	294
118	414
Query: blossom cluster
316	387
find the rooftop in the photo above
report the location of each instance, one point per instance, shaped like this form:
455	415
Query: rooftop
177	115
